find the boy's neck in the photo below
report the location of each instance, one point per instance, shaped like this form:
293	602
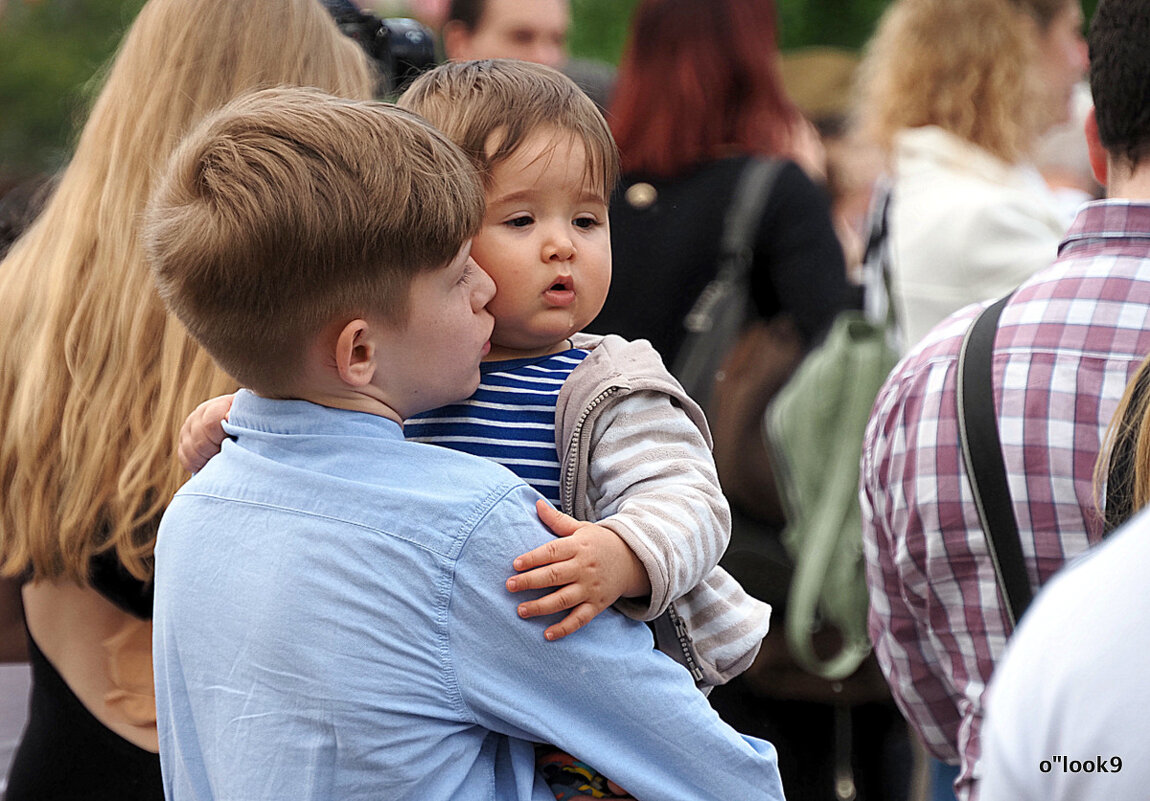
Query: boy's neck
350	401
498	353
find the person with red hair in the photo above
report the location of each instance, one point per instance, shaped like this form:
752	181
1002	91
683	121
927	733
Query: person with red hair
698	95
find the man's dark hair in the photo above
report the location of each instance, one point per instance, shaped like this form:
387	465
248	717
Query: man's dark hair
468	12
1120	77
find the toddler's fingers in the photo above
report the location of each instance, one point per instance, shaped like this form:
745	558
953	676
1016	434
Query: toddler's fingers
548	575
560	524
191	446
546	554
203	432
564	598
579	617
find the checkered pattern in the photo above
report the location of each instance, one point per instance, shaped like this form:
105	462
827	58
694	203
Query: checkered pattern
1068	342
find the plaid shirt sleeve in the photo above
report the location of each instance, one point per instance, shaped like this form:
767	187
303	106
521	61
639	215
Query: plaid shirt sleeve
935	618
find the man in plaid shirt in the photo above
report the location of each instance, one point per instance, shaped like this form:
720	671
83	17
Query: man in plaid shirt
1068	342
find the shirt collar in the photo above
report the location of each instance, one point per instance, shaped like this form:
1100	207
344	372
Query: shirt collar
1107	220
255	413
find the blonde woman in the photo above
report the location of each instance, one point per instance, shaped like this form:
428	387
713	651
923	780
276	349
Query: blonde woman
95	379
957	94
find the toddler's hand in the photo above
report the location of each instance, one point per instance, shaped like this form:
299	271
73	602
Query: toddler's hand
591	565
202	433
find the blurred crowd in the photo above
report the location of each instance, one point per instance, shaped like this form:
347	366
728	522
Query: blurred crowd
979	147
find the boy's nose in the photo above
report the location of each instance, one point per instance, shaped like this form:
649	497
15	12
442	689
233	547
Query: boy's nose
484	287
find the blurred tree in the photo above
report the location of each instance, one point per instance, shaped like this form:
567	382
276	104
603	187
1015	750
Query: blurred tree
50	53
599	28
842	23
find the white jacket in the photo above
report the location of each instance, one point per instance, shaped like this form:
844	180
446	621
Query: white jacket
964	226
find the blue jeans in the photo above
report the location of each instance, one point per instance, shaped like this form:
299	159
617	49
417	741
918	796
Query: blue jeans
942	778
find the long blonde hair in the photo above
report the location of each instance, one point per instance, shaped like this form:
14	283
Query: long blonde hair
95	377
1122	471
966	67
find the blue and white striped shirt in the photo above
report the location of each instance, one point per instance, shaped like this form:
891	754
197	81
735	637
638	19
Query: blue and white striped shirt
510	419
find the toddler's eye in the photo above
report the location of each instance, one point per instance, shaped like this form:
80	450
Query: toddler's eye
585	222
522	221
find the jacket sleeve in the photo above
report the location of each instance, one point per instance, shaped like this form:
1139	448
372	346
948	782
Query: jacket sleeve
653	482
603	694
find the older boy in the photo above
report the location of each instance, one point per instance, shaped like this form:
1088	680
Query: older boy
330	615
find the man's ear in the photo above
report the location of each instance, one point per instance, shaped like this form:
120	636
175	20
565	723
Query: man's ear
1099	158
355	353
455	39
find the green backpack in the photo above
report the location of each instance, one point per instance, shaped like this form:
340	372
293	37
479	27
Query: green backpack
813	430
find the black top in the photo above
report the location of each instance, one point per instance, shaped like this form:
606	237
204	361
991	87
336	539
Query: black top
67	754
666	253
110	579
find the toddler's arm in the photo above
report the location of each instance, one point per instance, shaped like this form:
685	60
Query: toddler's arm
652	480
202	433
663	520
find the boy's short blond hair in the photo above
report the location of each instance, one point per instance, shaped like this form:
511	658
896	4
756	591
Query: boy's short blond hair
290	208
472	101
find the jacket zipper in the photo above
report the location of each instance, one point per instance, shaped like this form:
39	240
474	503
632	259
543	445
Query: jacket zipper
686	647
569	469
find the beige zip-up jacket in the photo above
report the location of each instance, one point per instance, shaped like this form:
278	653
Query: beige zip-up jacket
635	457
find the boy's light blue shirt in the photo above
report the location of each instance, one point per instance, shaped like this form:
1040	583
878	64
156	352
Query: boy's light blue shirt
331	622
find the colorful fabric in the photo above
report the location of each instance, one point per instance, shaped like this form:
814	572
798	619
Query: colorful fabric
570	778
1068	342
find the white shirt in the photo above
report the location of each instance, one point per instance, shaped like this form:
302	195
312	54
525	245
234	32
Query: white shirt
1067	712
965	226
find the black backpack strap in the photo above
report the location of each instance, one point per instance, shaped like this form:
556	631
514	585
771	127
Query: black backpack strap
982	455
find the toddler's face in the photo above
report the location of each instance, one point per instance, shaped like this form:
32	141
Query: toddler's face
546	243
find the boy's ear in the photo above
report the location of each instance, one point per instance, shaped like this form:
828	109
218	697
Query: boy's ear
1099	158
355	353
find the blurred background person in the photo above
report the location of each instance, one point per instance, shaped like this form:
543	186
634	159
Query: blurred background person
821	81
95	379
956	95
698	97
529	31
1063	160
1070	338
533	31
1071	687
